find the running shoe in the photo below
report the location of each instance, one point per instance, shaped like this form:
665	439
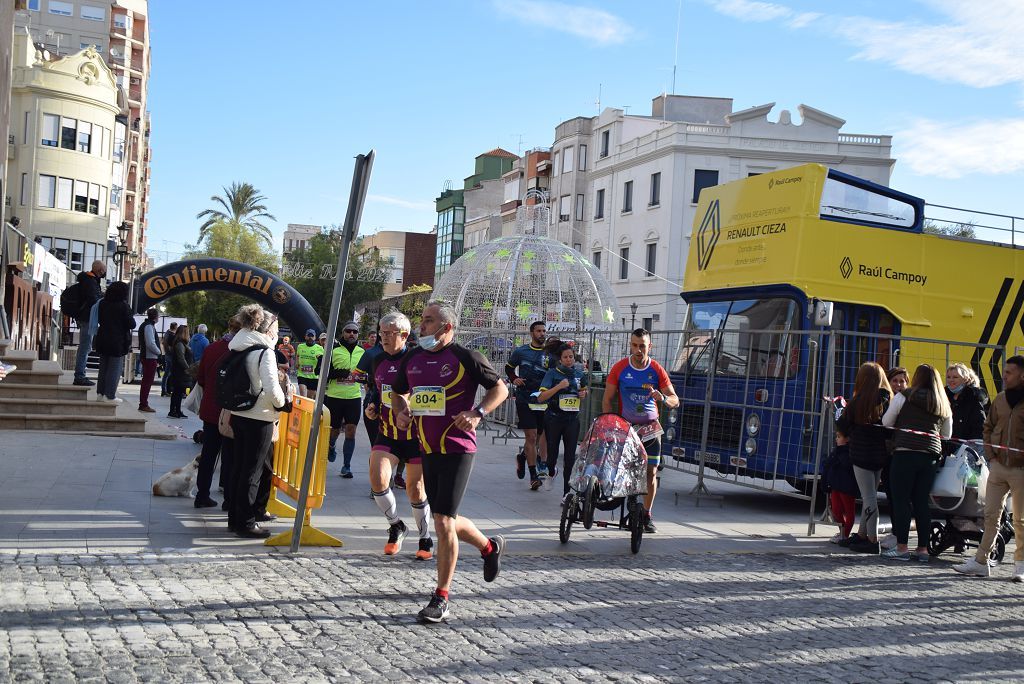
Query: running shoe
896	554
426	549
552	471
436	610
649	527
399	482
521	464
542	468
346	472
535	484
1018	572
332	454
492	562
973	568
396	535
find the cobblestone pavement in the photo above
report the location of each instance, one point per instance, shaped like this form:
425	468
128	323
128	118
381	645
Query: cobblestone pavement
212	616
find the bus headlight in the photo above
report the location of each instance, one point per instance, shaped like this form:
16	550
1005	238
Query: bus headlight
750	446
753	424
670	434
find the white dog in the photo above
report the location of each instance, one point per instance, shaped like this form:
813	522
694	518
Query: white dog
179	481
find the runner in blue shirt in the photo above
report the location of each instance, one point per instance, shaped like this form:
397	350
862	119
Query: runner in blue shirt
531	360
562	389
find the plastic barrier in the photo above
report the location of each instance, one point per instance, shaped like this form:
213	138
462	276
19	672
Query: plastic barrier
289	457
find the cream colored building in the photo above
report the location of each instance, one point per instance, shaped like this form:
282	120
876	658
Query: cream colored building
61	165
390	246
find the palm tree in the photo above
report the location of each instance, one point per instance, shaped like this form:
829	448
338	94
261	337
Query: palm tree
242	207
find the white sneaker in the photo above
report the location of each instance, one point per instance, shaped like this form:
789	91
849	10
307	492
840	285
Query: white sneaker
1018	572
115	400
972	568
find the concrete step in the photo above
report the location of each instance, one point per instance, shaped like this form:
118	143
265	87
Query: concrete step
10	389
26	376
21	357
91	424
16	406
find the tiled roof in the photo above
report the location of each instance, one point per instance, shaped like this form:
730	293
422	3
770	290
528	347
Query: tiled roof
498	152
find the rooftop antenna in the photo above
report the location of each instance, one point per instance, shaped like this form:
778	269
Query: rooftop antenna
598	101
675	63
519	147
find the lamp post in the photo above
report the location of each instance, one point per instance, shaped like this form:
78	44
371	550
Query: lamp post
121	253
632	311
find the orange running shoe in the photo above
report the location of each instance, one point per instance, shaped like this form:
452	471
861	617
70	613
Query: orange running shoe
396	535
425	552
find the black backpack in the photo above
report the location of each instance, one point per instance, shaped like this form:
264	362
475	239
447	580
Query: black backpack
234	388
71	300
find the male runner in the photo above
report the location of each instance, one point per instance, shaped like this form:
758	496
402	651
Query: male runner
641	384
344	396
393	446
532	362
434	391
308	355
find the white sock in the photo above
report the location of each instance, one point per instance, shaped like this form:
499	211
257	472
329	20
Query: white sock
388	506
421	511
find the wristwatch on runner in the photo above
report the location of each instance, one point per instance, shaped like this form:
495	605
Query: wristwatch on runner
480	411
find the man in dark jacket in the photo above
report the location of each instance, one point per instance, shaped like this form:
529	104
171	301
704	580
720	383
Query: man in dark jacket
89	283
209	413
168	346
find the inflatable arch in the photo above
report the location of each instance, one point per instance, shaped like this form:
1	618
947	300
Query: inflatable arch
208	273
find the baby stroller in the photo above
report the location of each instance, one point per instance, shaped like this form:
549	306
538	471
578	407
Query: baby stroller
958	521
610	473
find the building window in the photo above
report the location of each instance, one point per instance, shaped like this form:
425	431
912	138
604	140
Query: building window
577	246
554	166
624	263
84	136
65	188
564	207
627	197
77	255
583	158
652	257
122	21
567	157
33	5
93	13
579	207
47	187
24	189
81	196
24	131
68	133
60	249
597	259
703	178
605	141
655	189
64	9
51	126
648	323
94	199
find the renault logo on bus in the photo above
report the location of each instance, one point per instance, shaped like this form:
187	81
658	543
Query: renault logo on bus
707	236
846	268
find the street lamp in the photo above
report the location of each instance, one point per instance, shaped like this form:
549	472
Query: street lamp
632	310
121	253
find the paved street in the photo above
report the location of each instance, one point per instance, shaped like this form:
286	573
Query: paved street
101	581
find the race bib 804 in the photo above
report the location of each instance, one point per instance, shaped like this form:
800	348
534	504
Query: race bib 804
427	401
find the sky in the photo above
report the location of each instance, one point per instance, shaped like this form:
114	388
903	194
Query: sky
285	95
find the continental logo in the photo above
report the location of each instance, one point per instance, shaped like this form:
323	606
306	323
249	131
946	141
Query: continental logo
707	235
158	287
773	182
847	269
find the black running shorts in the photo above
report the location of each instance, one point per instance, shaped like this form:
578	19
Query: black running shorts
309	383
445	477
343	411
407	450
529	419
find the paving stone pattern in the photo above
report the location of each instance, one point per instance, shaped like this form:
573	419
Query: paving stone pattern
210	616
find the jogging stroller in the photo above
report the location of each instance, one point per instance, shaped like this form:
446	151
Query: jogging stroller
958	522
610	473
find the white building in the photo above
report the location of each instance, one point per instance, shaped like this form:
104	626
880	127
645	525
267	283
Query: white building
624	188
296	237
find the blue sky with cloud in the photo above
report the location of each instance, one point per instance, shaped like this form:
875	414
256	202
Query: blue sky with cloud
285	99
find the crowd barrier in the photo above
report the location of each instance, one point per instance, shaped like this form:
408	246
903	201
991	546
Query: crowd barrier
289	459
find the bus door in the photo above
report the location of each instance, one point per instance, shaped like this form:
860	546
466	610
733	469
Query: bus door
853	350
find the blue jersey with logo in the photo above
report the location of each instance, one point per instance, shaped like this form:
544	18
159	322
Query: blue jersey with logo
532	363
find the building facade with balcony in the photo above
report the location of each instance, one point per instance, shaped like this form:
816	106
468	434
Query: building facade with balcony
62	150
119	31
628	196
296	237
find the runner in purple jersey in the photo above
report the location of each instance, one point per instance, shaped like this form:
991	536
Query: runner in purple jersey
434	393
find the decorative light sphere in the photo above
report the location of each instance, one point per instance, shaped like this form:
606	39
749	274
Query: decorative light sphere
510	282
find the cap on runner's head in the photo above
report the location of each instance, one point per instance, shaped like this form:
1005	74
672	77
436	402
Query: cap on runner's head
311	333
351	325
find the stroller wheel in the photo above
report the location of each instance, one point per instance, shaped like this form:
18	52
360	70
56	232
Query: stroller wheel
566	521
998	550
197	437
589	495
937	539
636	524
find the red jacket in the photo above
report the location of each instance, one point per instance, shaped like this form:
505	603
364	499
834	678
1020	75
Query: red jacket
209	409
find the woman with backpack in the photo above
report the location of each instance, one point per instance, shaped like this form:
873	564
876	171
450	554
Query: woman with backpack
253	426
113	339
861	422
181	362
922	418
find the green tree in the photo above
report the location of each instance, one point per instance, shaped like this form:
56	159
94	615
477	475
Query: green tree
227	240
242	205
412	302
963	230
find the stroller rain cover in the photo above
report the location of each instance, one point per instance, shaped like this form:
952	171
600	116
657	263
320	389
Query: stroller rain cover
613	452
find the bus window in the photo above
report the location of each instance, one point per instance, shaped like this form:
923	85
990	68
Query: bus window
843	201
886	326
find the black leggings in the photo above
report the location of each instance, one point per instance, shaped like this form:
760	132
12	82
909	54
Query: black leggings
252	452
445	477
911	476
565	428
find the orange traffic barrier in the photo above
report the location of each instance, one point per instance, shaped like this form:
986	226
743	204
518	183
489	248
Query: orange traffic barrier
289	459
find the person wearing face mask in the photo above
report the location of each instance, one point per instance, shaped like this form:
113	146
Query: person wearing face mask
562	389
969	402
344	395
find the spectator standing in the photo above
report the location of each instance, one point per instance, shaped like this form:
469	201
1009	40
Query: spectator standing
168	346
968	401
254	428
861	422
899	379
922	418
181	361
199	342
209	412
286	348
149	354
841	485
113	339
91	292
1004	449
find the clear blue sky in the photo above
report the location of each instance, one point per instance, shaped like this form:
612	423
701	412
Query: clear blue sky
284	95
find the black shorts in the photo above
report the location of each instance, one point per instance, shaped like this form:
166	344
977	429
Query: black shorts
343	411
309	383
445	477
406	450
529	419
653	449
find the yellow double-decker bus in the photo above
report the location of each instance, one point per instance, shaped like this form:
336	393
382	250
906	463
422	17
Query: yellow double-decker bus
816	250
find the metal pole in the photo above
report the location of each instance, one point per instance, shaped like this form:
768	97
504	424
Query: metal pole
829	379
357	197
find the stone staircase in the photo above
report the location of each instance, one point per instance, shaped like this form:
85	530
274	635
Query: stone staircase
33	397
